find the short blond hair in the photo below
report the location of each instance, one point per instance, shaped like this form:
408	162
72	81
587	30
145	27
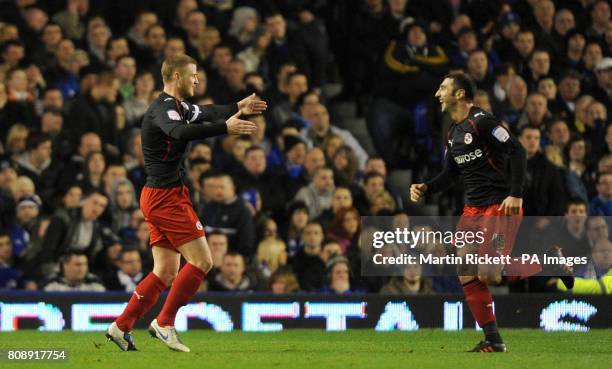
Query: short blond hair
175	64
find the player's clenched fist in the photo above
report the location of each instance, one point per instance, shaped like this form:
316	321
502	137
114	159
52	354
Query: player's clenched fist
417	191
236	126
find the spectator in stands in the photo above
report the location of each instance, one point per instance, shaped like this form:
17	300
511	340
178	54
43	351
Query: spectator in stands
271	255
136	34
256	174
94	167
122	204
85	112
288	45
283	281
24	231
152	54
73	230
342	198
558	134
478	69
72	18
74	275
516	98
411	283
569	90
193	28
539	67
524	44
373	184
227	213
338	275
344	229
536	111
13	53
19	107
298	216
600	17
136	105
597	229
233	276
603	89
571	235
125	71
317	195
602	203
296	85
344	163
320	128
577	174
36	163
244	27
129	273
10	277
254	56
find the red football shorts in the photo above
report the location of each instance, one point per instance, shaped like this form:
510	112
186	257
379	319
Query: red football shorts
499	233
170	216
499	230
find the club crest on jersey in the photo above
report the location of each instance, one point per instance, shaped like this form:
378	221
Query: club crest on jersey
174	115
199	226
468	138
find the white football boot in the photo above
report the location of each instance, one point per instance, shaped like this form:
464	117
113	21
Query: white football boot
124	340
168	336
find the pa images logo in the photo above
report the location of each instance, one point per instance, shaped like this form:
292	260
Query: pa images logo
498	242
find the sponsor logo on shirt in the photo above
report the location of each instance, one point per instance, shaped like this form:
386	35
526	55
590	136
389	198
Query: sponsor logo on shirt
465	158
174	115
501	134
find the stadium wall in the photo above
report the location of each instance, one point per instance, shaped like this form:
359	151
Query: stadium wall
258	313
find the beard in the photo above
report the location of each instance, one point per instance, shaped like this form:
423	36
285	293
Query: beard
185	90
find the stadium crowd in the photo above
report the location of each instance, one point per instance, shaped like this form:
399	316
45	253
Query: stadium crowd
351	120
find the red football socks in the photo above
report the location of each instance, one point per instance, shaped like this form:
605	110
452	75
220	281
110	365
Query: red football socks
144	297
480	301
183	288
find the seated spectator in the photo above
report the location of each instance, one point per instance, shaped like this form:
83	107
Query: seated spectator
254	173
75	230
602	203
308	263
317	195
122	204
136	106
577	173
382	202
217	242
24	232
411	283
596	278
600	262
320	127
271	254
232	277
344	229
129	273
373	185
338	274
597	229
558	134
344	163
341	198
570	236
74	276
224	211
283	281
298	220
10	277
544	191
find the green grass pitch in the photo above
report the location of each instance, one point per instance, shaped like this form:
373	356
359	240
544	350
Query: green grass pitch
320	350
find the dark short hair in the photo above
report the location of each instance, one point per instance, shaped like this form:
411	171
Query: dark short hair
69	254
370	175
462	81
36	139
575	201
526	127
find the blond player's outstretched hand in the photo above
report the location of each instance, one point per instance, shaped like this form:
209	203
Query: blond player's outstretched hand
417	191
237	126
252	105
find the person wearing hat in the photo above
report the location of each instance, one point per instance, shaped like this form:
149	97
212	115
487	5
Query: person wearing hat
24	231
603	89
409	70
509	26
